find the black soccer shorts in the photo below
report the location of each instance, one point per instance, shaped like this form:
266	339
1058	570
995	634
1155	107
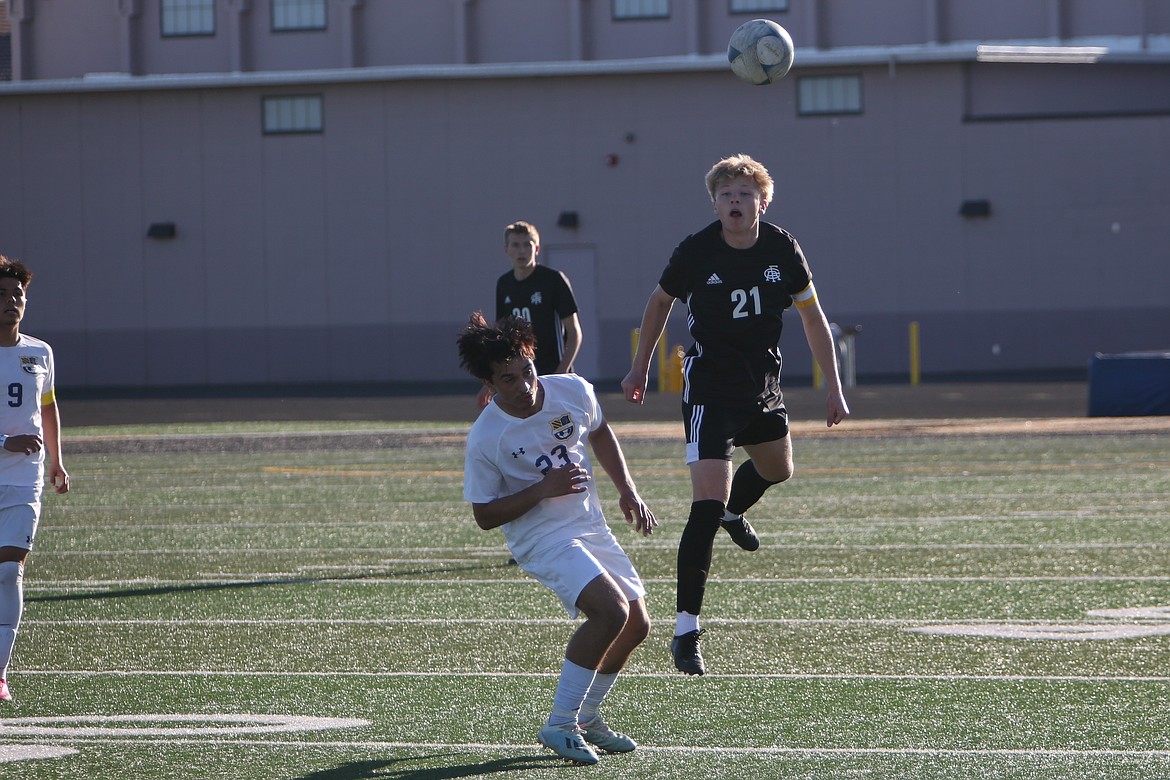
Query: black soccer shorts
715	430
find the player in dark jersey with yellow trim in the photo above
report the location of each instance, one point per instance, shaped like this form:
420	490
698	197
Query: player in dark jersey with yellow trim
736	276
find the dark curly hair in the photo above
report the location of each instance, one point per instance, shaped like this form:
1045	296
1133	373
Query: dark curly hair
14	269
482	346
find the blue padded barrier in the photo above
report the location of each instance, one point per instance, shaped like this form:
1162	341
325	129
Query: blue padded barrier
1131	384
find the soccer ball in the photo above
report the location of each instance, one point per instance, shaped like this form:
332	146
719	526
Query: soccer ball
760	51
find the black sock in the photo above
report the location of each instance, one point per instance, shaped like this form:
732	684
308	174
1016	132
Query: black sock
747	487
694	554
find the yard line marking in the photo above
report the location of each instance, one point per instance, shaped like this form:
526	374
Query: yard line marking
1105	509
1059	631
482	552
973	627
521	579
13	753
770	750
50	726
555	673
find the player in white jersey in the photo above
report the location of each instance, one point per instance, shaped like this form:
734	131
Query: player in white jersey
528	472
30	450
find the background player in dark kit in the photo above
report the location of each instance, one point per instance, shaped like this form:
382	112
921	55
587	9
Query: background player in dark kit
541	295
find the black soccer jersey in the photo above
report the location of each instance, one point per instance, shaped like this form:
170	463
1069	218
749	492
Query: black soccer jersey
736	299
544	299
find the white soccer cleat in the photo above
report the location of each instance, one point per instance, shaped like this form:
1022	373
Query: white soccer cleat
567	742
5	694
597	733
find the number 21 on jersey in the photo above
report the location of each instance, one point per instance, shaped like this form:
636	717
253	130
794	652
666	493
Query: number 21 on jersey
747	303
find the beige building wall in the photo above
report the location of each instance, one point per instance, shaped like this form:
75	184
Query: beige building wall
352	255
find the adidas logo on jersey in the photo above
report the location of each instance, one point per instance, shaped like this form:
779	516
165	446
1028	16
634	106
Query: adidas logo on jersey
714	279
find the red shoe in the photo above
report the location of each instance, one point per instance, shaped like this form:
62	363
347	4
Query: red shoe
5	694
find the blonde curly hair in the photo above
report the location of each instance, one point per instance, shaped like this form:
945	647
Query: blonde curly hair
740	165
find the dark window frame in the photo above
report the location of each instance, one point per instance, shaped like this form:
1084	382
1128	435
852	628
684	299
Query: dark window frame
317	130
801	111
628	17
279	30
167	6
785	8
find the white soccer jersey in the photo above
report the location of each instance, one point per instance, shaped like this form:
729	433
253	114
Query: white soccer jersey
507	454
26	372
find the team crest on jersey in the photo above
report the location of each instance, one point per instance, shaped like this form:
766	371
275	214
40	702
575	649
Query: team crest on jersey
537	298
772	273
31	364
562	427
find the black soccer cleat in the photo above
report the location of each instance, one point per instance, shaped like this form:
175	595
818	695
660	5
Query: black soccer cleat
742	533
685	649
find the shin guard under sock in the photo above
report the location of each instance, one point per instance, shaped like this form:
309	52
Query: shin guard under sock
747	487
11	609
694	554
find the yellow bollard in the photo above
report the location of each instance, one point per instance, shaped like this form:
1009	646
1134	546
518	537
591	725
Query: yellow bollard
662	358
669	364
915	355
670	380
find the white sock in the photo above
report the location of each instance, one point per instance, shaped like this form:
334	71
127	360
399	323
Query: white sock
571	689
11	609
685	623
602	685
729	517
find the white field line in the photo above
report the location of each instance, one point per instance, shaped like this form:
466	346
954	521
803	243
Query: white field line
292	579
553	674
770	526
674	750
1104	500
482	551
493	621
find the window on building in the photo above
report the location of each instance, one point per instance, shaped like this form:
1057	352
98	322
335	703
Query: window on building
641	9
188	17
756	6
298	15
294	114
828	95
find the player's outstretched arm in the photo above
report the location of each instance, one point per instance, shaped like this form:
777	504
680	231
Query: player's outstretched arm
820	341
572	326
55	472
653	323
609	454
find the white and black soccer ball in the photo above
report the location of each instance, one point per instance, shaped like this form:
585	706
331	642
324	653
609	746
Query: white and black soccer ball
760	51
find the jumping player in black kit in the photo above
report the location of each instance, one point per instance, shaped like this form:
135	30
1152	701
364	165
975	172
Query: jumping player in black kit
736	276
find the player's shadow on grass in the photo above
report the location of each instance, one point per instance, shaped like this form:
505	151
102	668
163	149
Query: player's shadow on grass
166	590
391	769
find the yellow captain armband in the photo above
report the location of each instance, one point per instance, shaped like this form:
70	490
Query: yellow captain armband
48	398
806	297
